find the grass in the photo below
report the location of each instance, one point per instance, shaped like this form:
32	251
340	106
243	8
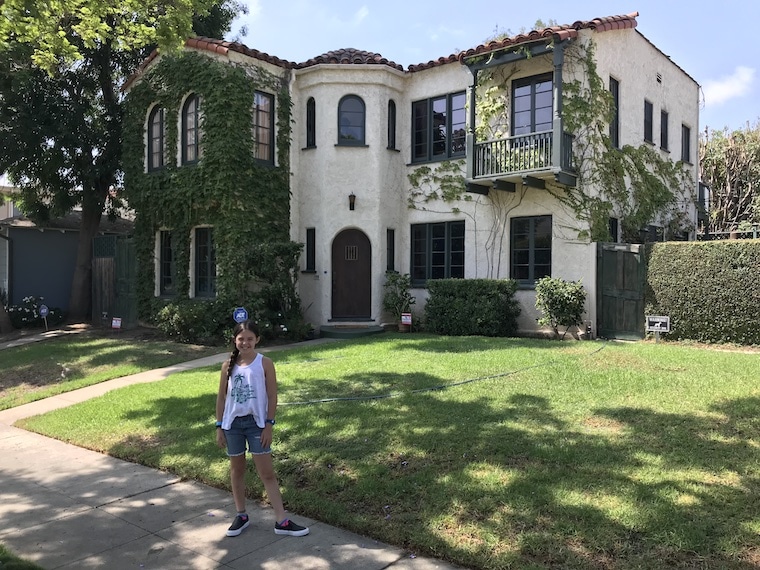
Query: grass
9	561
43	369
490	453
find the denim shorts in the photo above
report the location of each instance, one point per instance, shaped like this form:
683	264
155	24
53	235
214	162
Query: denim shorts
244	429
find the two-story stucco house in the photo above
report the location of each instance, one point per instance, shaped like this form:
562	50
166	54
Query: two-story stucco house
508	160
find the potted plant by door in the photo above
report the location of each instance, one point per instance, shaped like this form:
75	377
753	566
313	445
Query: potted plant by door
396	298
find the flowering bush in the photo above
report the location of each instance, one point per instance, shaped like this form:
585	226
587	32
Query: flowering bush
27	315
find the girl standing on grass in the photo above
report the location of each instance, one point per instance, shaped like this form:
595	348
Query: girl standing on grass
245	408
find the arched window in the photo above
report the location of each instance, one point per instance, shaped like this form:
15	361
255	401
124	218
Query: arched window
192	151
351	116
311	123
391	124
156	138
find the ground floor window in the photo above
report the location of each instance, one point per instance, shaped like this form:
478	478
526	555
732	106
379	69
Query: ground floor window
165	264
204	263
437	251
311	249
530	249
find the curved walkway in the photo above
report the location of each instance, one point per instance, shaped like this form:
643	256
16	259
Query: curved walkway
63	506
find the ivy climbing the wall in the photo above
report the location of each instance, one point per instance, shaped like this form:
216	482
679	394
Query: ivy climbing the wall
634	183
246	201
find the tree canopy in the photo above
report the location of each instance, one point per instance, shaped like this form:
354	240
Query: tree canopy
730	167
66	30
62	63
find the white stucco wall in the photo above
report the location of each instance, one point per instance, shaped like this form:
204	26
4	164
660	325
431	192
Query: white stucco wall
645	73
324	176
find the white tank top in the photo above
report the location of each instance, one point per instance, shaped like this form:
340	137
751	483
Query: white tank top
246	393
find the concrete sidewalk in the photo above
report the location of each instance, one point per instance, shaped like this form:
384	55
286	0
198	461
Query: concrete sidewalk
62	506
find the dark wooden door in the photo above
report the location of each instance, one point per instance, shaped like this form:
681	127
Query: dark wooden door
621	272
351	276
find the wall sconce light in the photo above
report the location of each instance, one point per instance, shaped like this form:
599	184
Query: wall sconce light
351	201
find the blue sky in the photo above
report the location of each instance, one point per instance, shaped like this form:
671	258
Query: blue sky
711	41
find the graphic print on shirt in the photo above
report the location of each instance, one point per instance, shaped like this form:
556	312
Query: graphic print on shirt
240	392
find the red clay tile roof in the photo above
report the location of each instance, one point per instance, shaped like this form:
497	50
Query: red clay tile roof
354	56
214	46
349	56
560	33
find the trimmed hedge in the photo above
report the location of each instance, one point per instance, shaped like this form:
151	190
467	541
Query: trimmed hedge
460	307
710	290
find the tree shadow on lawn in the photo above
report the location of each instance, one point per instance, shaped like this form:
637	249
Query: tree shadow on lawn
509	482
465	344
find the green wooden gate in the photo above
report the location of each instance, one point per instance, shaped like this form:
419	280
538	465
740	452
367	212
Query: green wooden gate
114	268
621	275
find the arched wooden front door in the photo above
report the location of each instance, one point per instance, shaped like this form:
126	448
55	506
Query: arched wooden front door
351	276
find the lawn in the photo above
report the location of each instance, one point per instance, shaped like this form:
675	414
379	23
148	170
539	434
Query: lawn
46	368
490	453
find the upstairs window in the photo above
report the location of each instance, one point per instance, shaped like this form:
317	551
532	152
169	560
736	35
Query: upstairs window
664	130
648	121
392	124
532	105
192	151
263	127
351	117
311	123
615	123
157	139
438	128
685	144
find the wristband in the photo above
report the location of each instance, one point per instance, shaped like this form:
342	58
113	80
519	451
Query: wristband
268	421
218	424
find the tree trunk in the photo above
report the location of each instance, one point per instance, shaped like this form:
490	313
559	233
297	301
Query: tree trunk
80	299
5	321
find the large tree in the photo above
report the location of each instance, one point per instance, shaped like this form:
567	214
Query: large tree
62	63
730	166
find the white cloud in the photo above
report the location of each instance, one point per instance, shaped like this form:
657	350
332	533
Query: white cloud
444	32
254	8
724	89
360	15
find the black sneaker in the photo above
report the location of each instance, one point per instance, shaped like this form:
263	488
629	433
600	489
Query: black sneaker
238	525
290	528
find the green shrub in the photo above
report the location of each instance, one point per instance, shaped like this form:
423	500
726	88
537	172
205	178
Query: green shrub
209	321
710	290
26	315
561	303
484	307
397	298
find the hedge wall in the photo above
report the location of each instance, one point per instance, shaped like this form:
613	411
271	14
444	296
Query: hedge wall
472	307
710	290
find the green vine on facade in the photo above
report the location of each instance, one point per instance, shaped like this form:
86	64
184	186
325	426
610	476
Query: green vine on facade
635	184
246	201
444	182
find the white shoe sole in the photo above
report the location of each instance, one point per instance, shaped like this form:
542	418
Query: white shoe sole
238	531
303	532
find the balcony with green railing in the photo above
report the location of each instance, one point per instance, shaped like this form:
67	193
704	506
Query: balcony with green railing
533	154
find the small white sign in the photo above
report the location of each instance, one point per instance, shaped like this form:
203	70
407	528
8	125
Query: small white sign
406	318
658	323
116	323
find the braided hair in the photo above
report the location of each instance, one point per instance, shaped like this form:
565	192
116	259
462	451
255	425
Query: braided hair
240	327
